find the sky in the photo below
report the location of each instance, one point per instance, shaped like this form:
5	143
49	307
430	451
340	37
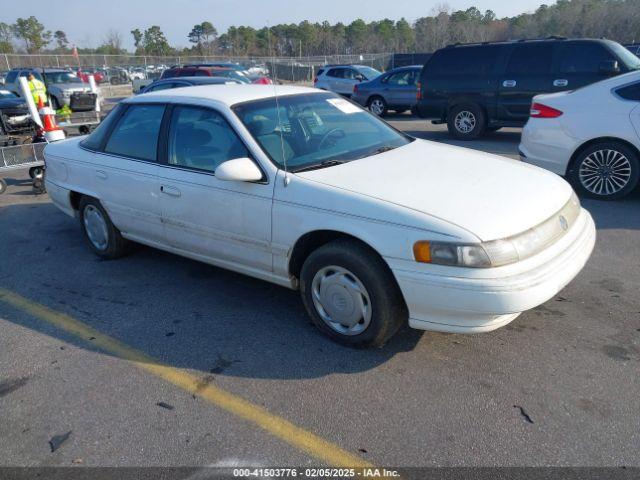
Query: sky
86	21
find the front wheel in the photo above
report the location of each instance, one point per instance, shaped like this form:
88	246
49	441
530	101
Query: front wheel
351	295
103	237
466	121
606	171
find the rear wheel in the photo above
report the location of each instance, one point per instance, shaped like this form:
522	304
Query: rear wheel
3	186
377	106
607	171
466	121
351	295
103	237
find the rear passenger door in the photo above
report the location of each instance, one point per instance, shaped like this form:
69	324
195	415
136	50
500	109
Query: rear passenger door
579	64
125	174
528	72
223	221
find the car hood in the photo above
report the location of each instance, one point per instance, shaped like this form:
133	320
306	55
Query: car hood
490	196
13	103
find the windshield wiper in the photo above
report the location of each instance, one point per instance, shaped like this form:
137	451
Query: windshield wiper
386	148
317	166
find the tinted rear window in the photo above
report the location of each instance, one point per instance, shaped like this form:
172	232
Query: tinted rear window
630	92
530	59
464	61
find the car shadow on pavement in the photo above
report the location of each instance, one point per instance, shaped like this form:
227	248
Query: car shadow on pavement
181	312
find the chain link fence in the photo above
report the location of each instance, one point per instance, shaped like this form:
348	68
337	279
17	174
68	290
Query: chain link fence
289	69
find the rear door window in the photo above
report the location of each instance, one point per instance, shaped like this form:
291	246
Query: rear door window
136	134
464	60
96	139
401	79
530	59
583	58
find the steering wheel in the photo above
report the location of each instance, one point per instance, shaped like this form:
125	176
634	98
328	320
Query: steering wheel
340	134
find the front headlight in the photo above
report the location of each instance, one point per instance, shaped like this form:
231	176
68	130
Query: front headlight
504	251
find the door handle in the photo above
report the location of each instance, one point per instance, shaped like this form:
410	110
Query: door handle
101	174
509	83
171	191
560	82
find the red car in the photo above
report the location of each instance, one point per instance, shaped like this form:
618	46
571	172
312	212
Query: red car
84	76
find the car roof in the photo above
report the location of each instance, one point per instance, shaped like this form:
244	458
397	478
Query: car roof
527	40
226	94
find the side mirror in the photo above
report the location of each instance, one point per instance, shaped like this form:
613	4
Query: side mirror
609	67
238	170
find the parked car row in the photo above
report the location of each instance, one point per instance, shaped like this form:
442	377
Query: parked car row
590	135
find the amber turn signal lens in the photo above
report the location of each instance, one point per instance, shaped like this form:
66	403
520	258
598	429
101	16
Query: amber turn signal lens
422	252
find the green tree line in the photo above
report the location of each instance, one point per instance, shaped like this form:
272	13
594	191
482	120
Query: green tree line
615	19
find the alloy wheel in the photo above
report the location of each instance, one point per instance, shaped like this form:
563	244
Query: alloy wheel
465	121
605	172
376	106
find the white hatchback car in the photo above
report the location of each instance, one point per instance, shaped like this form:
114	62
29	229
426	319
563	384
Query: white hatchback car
590	135
310	191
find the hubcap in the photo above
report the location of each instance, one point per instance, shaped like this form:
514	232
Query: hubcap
465	121
605	172
341	300
96	227
376	106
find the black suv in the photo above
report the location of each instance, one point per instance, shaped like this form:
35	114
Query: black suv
476	88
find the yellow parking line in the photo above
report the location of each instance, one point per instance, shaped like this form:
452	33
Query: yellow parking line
275	425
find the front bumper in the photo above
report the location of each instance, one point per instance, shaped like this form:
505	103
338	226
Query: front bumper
487	299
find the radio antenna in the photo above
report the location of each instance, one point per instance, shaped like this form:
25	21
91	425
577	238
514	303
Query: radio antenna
280	129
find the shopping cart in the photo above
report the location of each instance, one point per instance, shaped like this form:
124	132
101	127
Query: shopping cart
18	157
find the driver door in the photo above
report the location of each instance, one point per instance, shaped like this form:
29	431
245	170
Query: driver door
228	223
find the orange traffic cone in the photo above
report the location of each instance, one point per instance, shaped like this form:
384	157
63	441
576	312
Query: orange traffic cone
51	131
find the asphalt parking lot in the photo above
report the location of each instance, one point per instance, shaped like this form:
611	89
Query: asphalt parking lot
214	368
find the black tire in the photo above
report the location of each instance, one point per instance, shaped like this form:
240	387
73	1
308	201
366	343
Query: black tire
585	170
386	305
34	171
3	186
116	246
377	105
466	121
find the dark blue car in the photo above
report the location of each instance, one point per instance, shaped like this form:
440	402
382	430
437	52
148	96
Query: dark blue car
393	90
177	82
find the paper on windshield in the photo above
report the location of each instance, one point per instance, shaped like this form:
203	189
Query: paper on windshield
344	106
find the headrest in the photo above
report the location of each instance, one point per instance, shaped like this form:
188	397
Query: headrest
261	126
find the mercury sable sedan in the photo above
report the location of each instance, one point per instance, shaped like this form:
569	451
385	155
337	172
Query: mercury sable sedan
307	190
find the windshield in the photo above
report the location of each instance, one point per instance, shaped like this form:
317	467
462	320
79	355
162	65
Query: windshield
62	77
317	129
629	59
369	72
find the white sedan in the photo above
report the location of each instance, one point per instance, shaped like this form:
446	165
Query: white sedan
309	191
590	135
